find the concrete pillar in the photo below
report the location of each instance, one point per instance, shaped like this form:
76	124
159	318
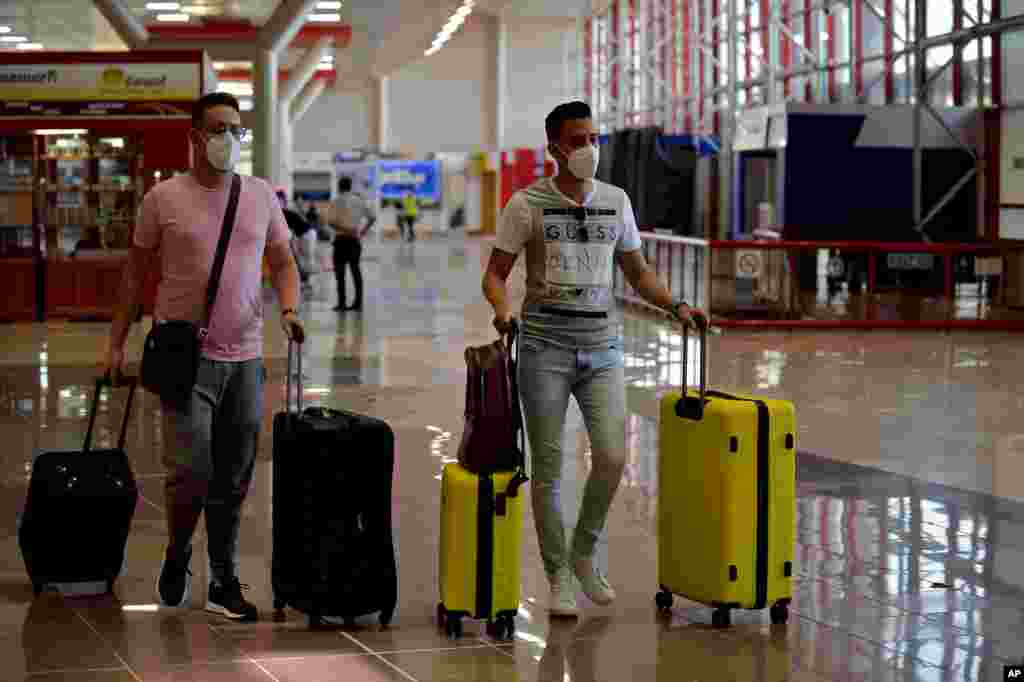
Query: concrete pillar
124	22
495	84
379	123
265	130
286	148
304	70
301	104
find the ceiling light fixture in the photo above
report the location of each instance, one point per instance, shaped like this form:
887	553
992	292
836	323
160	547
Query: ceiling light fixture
325	18
327	59
325	67
13	39
30	46
5	29
163	6
328	5
172	17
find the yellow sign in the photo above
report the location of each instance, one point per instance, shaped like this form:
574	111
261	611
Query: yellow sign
99	82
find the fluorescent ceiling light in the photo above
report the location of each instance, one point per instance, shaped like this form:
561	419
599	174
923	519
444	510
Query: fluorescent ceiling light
325	18
5	29
151	608
163	6
236	88
30	46
13	39
325	67
219	66
327	59
172	17
198	10
329	5
60	131
245	104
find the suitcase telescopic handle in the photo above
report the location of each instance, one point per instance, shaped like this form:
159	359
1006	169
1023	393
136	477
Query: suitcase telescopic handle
703	368
288	380
106	382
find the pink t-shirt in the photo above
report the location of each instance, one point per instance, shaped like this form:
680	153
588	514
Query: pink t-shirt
183	220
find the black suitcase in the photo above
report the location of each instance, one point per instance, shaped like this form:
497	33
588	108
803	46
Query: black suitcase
333	553
79	510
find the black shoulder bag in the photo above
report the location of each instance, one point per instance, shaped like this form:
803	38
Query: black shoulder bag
170	359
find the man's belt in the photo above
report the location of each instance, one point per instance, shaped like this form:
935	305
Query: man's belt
592	314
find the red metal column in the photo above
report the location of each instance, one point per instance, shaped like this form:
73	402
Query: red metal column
617	43
830	27
699	7
857	49
958	56
719	53
748	52
809	43
785	47
997	60
588	60
888	28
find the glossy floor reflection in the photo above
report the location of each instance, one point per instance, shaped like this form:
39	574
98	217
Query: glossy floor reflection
910	518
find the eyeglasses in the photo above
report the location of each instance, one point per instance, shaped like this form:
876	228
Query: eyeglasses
241	134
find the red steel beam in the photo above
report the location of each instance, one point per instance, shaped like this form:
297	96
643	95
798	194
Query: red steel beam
283	74
618	44
785	47
887	29
240	31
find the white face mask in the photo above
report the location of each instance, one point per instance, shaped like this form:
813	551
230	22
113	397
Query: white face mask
583	162
223	151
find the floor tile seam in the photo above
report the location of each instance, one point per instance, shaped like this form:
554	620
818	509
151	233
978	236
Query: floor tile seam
75	671
867	640
393	666
365	654
244	654
117	654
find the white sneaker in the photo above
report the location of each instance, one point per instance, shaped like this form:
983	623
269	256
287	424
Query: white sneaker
594	585
563	595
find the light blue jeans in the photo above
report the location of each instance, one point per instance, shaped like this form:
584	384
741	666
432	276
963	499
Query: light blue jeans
548	375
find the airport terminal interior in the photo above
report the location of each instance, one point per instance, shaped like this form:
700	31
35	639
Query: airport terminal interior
887	309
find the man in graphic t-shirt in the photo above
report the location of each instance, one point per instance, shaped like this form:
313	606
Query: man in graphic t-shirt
573	230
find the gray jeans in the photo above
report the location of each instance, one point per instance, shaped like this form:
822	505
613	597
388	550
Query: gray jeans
548	374
209	454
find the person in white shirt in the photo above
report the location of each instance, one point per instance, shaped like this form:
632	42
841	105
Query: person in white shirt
573	229
351	217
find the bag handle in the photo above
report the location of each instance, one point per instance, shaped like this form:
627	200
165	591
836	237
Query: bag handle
288	380
520	477
105	381
221	254
703	370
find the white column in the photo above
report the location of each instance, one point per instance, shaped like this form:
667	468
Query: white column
286	147
265	133
495	85
305	69
379	119
301	104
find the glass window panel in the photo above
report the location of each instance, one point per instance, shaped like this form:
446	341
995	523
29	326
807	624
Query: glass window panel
972	86
796	89
874	34
986	72
940	17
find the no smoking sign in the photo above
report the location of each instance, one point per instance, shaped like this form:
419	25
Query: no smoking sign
748	264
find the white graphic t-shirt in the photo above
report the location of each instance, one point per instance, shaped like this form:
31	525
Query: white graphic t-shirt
570	257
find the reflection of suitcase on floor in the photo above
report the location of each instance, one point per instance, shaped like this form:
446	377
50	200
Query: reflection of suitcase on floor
726	500
333	552
79	510
481	530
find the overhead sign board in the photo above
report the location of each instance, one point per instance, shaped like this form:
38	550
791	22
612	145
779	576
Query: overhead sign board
395	178
149	82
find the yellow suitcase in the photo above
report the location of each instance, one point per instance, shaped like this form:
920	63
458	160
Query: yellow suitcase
726	500
481	530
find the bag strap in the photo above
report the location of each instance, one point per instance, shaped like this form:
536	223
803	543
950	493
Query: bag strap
221	254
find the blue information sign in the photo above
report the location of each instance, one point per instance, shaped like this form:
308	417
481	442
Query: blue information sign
395	178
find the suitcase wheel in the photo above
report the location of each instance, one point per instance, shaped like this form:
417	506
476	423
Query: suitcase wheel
720	618
663	600
110	587
441	613
780	614
279	605
37	589
503	627
315	621
385	617
453	626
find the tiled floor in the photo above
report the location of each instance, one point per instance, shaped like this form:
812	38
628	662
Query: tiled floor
898	576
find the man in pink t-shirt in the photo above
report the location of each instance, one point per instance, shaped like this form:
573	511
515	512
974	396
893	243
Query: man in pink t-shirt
210	447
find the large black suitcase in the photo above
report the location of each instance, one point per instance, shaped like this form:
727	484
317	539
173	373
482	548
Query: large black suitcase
333	552
79	510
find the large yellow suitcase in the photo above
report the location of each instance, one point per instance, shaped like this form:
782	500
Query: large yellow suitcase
481	531
726	500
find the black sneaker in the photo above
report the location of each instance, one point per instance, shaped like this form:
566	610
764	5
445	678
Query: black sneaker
175	584
227	600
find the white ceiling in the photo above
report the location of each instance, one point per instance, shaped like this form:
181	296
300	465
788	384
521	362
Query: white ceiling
386	33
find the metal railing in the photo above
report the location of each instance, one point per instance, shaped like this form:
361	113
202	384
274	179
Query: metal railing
837	285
